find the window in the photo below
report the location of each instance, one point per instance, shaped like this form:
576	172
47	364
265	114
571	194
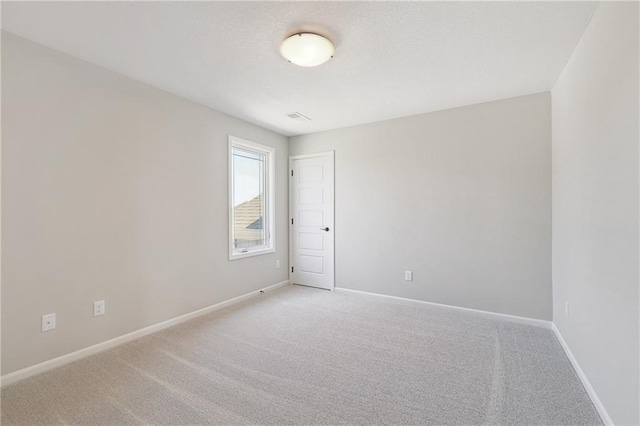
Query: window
251	224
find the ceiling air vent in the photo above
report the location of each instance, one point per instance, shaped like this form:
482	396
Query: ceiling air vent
298	117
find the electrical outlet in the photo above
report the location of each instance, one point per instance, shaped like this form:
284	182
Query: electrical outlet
48	322
566	309
408	276
278	263
98	308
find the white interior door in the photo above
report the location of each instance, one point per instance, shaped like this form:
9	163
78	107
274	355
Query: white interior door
311	221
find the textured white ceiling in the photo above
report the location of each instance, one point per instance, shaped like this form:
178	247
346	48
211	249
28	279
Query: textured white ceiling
392	58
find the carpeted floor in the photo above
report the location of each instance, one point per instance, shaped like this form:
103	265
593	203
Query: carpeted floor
305	356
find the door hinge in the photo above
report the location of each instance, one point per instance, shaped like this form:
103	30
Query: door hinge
291	172
292	269
292	221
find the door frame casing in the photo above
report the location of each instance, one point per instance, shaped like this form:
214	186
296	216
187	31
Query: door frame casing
292	158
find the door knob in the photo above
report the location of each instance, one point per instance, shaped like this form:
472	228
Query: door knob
325	229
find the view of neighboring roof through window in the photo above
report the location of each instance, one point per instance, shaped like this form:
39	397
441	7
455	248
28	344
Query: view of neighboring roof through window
251	198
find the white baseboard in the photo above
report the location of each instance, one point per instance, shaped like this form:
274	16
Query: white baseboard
487	314
16	376
583	378
522	320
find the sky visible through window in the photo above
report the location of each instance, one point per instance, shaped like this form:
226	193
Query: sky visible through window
248	171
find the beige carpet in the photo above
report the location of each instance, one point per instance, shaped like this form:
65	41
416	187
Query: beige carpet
305	356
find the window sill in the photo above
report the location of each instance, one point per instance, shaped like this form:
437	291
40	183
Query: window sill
251	253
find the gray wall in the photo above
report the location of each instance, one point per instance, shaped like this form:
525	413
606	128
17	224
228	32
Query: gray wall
595	207
461	197
113	190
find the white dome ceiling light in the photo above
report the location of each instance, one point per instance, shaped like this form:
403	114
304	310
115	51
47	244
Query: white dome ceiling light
307	49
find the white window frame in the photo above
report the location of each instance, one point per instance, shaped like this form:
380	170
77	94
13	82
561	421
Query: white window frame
269	189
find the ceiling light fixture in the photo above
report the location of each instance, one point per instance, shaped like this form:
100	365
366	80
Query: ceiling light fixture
307	49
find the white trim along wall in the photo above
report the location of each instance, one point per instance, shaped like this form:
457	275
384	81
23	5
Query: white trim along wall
583	378
42	367
549	325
